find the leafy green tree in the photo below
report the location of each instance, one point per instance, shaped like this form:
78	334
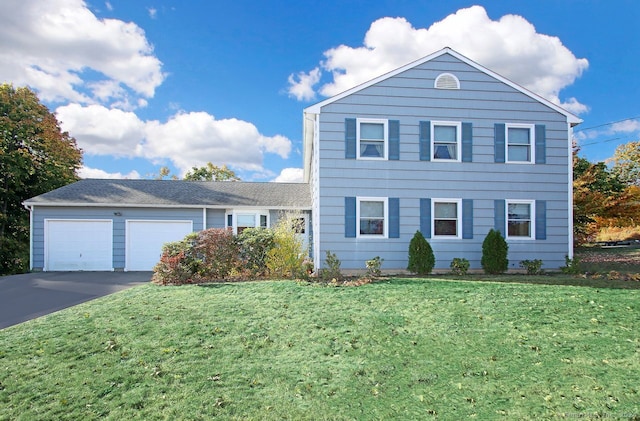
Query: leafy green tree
211	172
35	157
626	163
421	258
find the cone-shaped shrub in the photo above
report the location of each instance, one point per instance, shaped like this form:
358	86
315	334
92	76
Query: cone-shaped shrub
494	253
421	258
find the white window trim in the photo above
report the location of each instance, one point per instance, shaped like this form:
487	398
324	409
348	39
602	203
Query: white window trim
532	137
385	123
385	229
458	126
234	217
458	216
532	225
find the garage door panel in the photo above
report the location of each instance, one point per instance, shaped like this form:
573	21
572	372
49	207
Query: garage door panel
73	245
146	238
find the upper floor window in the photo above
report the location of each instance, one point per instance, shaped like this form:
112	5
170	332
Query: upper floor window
445	142
371	217
520	221
372	138
519	141
447	218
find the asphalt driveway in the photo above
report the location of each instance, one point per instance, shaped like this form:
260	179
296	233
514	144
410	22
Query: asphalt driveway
30	295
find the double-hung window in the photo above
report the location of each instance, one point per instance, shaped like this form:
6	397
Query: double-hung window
372	138
520	220
445	140
447	218
519	141
372	217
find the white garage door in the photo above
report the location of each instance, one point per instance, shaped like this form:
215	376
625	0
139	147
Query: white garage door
145	240
78	245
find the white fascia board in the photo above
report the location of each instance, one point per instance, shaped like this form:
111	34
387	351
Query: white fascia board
158	206
571	118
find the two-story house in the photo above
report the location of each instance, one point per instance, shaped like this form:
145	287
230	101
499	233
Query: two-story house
441	145
444	146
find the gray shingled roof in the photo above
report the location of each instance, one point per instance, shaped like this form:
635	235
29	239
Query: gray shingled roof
172	193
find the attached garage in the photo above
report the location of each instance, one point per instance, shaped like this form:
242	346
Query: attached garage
81	244
145	239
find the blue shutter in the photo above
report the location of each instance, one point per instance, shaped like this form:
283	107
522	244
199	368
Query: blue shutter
541	144
499	142
350	217
467	142
499	217
394	217
425	141
394	139
541	219
350	138
467	218
425	217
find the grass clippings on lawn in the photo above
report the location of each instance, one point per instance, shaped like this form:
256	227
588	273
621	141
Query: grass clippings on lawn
398	349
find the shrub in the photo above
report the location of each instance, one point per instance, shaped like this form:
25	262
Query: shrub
571	266
459	266
421	258
285	258
494	253
533	267
177	265
332	267
373	266
219	251
254	245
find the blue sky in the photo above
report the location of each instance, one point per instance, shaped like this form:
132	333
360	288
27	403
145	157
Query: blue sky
150	83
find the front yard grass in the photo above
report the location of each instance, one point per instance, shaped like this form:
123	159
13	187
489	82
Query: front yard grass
395	349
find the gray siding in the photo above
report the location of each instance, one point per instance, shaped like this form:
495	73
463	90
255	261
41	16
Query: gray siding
410	98
42	212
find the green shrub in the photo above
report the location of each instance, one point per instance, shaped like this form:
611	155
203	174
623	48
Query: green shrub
533	267
219	251
178	264
255	244
421	258
373	266
494	253
332	267
285	259
571	266
459	266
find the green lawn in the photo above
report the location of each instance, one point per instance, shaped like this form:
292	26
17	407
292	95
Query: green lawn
396	349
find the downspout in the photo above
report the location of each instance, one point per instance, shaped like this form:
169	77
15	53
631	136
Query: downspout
570	210
204	219
30	209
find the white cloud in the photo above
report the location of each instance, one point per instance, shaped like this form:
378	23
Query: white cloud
88	172
186	139
50	46
102	131
626	126
509	46
301	85
153	12
290	175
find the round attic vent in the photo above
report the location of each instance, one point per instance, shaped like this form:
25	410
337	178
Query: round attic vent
447	81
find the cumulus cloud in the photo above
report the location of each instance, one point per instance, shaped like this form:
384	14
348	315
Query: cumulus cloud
510	46
88	172
186	139
290	175
51	45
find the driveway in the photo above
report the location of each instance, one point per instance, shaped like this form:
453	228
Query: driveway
30	295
